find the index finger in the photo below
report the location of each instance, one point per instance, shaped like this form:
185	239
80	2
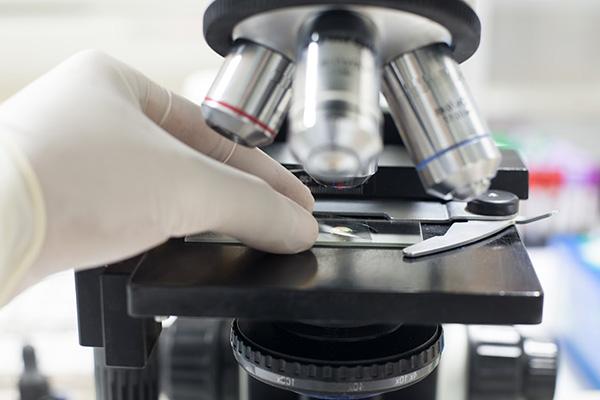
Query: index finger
183	119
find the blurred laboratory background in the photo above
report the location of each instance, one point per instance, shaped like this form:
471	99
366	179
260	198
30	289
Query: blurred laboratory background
536	77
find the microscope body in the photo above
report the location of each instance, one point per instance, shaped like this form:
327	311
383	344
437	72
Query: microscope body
324	64
347	319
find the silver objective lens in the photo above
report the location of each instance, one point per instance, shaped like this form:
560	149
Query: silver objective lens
250	96
440	125
335	115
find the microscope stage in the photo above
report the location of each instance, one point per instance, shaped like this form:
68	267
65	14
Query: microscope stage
490	282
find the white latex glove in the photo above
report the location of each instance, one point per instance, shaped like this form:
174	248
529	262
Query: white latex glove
111	164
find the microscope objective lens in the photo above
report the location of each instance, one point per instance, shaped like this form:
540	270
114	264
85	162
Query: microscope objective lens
449	141
335	117
250	96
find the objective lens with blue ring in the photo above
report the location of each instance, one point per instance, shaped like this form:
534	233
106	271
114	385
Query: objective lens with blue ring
446	136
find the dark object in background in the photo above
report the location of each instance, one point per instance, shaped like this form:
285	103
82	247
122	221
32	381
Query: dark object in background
33	385
505	365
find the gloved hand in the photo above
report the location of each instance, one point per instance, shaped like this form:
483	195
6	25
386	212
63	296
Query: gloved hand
122	164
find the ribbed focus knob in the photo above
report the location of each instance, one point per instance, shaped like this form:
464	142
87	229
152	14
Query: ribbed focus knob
505	365
540	371
196	360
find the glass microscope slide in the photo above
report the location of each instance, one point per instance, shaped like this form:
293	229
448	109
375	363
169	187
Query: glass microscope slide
345	232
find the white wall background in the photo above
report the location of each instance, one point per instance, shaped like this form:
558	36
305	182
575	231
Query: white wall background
537	69
539	59
161	38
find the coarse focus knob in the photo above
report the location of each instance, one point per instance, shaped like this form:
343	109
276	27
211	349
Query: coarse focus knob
505	365
539	380
196	361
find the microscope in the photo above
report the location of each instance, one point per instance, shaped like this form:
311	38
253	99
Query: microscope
365	103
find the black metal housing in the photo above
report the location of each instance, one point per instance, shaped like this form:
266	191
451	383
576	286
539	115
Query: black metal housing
491	282
323	362
396	176
103	318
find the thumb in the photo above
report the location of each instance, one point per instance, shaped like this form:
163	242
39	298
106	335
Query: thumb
216	197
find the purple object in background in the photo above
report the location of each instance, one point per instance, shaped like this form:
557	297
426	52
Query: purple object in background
563	177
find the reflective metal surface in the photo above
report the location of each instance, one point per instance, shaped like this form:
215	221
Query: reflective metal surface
438	120
250	96
464	233
278	29
335	117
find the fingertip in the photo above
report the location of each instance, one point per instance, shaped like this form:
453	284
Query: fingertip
265	219
302	233
296	231
306	233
